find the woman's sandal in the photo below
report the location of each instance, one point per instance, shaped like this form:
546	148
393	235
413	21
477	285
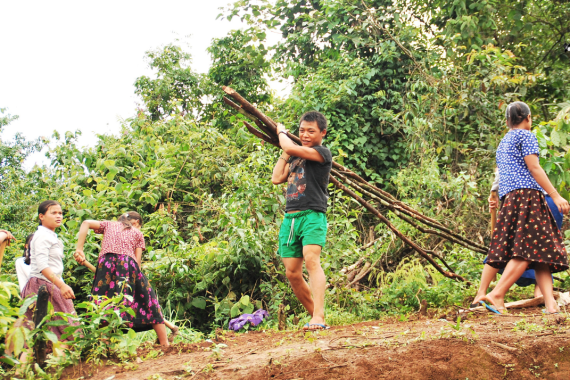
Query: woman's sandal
475	304
546	312
496	310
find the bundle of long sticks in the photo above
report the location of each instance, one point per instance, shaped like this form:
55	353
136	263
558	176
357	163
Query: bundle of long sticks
345	179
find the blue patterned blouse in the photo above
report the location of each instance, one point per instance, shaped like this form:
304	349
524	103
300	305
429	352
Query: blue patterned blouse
513	172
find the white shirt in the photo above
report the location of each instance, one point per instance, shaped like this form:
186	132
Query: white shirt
23	271
46	251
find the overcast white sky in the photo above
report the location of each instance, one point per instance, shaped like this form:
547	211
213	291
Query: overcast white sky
69	65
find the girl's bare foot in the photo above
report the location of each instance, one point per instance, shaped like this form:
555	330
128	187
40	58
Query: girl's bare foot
551	305
478	297
497	303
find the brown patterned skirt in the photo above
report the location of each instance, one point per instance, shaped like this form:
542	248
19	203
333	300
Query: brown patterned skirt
526	228
59	303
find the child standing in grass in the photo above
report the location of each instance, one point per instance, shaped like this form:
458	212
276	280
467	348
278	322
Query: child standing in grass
306	170
526	235
46	264
118	270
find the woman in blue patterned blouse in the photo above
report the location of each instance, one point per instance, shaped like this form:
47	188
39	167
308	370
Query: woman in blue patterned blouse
526	235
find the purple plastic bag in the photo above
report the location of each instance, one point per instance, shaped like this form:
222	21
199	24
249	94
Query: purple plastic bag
255	319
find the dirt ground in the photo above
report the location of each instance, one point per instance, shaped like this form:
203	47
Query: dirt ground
522	345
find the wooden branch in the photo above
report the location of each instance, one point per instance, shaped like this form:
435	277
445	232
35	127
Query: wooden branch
366	246
363	272
440	258
399	213
249	108
403	237
260	134
504	347
39	315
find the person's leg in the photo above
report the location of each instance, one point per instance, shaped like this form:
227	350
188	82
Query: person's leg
174	331
170	325
294	272
544	281
317	281
487	276
514	269
537	291
161	333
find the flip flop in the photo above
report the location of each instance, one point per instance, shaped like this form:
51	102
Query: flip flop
474	305
490	308
307	327
545	312
495	309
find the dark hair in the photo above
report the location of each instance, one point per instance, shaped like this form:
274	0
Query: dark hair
43	208
302	181
315	116
128	217
27	255
516	113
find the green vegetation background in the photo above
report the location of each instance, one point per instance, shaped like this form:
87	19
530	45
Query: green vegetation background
415	95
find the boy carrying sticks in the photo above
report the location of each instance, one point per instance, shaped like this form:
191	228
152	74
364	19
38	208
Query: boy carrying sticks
306	170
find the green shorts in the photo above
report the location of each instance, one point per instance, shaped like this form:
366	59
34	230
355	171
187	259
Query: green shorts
300	229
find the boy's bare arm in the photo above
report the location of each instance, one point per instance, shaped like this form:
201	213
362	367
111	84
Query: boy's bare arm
293	149
281	170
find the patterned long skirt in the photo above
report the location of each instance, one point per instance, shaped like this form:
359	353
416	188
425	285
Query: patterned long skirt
59	304
526	229
121	274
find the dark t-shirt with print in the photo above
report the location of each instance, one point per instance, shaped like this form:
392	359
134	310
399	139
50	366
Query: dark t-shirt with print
308	181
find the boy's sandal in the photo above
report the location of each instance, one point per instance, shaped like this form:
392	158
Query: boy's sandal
307	327
546	312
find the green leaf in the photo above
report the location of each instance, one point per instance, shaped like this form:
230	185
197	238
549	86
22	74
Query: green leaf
244	300
199	303
234	312
50	336
555	138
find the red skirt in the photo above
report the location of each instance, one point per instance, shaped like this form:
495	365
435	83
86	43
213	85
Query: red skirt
59	303
526	229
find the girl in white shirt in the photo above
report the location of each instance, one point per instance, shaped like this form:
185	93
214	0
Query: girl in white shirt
46	264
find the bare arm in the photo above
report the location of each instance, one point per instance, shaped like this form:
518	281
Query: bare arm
138	254
81	236
293	149
281	170
65	289
541	178
6	235
494	196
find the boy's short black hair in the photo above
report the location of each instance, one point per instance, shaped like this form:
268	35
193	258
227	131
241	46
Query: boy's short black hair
516	113
302	181
315	116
